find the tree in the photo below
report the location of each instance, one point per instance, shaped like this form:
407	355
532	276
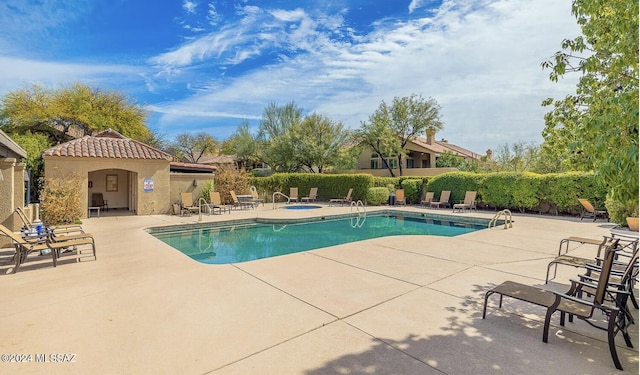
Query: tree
34	145
320	141
391	127
192	147
597	127
516	157
276	136
242	144
70	112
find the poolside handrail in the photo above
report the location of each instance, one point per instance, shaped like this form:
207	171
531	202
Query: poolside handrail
508	219
200	207
360	214
273	198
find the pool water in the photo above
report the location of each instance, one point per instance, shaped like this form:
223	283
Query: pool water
302	207
246	242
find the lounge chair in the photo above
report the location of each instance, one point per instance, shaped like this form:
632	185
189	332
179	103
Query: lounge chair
565	259
589	210
186	204
24	247
400	198
469	202
426	200
97	200
346	199
216	202
444	200
571	302
255	197
240	203
58	229
313	196
293	194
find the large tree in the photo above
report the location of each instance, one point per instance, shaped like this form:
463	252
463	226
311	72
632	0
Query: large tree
242	144
276	136
597	127
391	127
71	111
320	141
192	147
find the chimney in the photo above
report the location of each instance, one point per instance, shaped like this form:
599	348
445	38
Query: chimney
431	133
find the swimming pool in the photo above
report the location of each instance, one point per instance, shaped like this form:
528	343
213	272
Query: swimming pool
243	241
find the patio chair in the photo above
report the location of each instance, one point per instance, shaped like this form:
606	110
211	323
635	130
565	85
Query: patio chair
97	200
216	202
444	200
240	203
469	202
313	196
574	261
41	243
400	198
621	279
572	304
60	229
426	200
346	199
293	194
589	210
186	204
255	197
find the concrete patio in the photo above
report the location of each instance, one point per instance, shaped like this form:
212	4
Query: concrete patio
394	305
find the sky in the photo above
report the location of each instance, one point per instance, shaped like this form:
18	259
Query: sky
210	65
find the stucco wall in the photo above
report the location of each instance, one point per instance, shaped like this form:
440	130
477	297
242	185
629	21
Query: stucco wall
183	183
145	202
11	194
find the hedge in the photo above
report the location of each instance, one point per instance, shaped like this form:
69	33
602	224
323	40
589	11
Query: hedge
556	193
329	186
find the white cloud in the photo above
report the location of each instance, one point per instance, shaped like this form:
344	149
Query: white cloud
23	72
480	60
189	6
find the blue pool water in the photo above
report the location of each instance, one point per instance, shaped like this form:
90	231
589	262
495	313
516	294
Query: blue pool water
249	241
302	207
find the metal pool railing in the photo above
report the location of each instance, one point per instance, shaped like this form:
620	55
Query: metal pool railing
508	219
273	199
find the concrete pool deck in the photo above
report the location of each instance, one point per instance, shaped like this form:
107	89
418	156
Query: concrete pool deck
394	305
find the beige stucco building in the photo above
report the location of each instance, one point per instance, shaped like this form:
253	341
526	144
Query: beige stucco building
129	175
420	159
12	180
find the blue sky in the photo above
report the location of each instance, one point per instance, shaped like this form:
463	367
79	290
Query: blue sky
209	65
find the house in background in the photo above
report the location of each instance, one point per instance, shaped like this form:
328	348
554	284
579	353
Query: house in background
420	159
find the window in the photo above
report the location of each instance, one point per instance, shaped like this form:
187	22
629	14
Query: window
393	163
409	163
112	182
375	164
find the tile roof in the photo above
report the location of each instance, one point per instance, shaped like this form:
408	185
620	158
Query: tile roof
107	144
174	165
9	148
443	146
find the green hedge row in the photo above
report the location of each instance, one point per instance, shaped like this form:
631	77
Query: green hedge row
329	185
555	193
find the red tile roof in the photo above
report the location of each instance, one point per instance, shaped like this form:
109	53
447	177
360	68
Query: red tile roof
107	144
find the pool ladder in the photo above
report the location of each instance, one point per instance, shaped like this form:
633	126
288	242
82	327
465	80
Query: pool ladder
200	207
361	214
508	219
273	199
